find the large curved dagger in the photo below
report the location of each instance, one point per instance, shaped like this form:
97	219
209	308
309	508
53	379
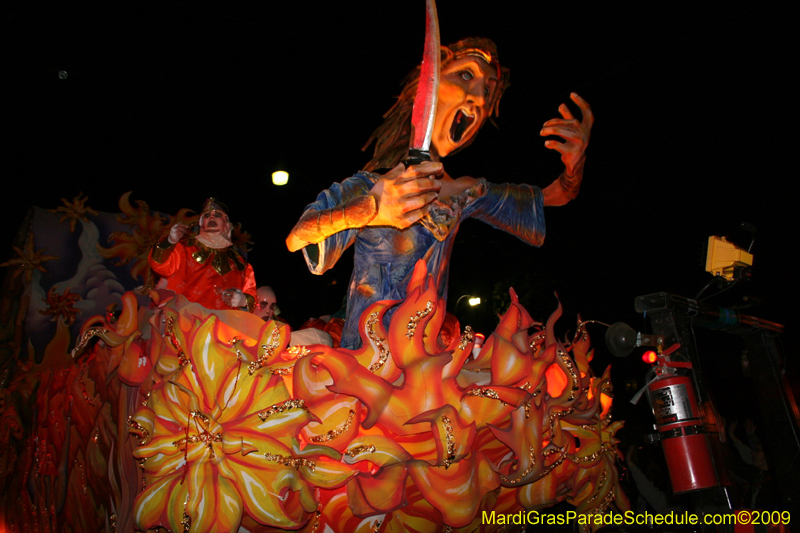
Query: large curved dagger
424	112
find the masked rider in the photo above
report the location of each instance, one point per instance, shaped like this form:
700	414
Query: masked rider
396	215
206	268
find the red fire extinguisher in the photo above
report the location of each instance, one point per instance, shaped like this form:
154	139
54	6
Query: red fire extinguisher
681	427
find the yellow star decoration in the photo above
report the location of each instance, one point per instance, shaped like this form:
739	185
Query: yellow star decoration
74	211
28	259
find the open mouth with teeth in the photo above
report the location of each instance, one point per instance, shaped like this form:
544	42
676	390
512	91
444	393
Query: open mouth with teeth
460	125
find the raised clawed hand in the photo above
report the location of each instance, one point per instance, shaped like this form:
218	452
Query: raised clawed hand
574	132
404	194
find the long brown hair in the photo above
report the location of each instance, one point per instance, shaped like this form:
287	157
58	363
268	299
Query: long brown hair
393	136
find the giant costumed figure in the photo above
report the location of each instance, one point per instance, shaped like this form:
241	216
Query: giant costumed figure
396	214
206	268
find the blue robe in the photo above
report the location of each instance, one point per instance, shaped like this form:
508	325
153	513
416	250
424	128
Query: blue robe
385	256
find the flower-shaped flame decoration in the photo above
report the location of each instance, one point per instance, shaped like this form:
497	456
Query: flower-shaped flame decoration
219	442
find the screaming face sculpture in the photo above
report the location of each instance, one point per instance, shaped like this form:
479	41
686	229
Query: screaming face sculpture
465	92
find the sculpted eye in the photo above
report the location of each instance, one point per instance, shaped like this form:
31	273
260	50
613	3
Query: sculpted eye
466	75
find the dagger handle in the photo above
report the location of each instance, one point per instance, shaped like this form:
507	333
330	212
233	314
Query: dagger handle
416	156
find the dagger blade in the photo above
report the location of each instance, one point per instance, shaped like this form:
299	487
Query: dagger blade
424	111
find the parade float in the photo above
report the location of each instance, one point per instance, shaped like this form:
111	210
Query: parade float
127	408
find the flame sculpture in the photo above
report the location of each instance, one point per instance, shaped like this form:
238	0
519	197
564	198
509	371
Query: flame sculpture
404	434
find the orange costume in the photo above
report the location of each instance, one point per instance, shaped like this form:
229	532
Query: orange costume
206	268
201	273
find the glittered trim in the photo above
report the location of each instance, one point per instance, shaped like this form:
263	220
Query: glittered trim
281	407
269	349
414	320
383	351
333	433
295	462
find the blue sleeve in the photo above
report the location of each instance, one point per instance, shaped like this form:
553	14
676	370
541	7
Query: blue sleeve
324	255
517	209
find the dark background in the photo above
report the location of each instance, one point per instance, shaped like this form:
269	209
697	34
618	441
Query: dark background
180	101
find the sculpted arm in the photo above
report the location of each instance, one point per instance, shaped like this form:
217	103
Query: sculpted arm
516	208
316	226
398	199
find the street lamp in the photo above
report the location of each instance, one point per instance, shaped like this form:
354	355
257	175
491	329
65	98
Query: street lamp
472	300
280	177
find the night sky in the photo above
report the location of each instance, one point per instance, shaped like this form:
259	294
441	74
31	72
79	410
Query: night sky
180	101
